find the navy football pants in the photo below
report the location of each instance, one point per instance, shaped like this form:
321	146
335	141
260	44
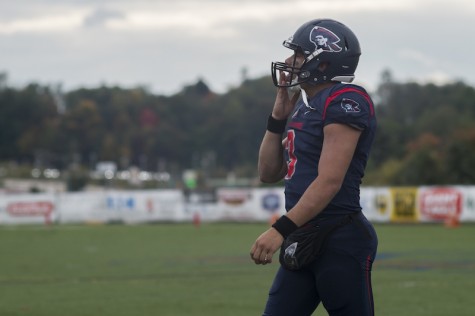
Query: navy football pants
340	278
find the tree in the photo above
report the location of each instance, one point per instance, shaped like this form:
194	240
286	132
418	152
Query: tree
460	157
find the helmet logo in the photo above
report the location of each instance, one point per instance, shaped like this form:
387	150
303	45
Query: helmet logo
325	39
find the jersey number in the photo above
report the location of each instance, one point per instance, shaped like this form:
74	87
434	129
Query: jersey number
290	146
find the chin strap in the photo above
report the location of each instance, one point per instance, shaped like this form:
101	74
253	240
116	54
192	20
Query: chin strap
305	100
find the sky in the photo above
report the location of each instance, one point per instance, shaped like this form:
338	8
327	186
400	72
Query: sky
166	45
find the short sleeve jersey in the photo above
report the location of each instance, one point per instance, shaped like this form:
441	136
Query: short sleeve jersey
342	104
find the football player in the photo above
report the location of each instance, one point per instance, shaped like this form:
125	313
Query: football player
327	246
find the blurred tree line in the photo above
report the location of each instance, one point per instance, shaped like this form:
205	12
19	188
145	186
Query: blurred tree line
426	133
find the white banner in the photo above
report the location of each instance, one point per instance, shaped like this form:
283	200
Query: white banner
144	206
27	209
468	204
81	207
376	204
250	204
425	204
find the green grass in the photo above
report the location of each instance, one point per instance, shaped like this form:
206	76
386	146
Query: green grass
178	269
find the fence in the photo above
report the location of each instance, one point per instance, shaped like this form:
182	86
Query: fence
424	204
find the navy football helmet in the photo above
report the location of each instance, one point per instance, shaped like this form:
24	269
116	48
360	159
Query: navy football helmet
321	41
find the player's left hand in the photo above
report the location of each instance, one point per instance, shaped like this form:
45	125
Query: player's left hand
265	246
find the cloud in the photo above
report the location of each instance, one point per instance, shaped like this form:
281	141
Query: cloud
206	16
419	57
163	44
50	24
438	78
100	17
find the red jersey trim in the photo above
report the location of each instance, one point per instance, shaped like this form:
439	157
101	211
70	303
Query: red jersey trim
344	90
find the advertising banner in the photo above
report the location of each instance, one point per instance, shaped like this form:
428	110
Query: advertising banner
144	206
404	204
468	203
376	203
250	204
425	204
438	204
28	209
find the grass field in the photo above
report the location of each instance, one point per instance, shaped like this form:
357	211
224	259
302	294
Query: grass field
178	269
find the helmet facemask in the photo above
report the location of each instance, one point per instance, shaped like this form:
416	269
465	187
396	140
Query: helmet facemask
296	74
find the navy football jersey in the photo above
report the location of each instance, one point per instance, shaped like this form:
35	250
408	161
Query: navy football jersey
342	103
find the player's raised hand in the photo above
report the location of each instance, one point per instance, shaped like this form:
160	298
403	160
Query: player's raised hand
284	103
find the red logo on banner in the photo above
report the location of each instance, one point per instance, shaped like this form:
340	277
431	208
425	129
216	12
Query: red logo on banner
441	203
31	209
234	197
